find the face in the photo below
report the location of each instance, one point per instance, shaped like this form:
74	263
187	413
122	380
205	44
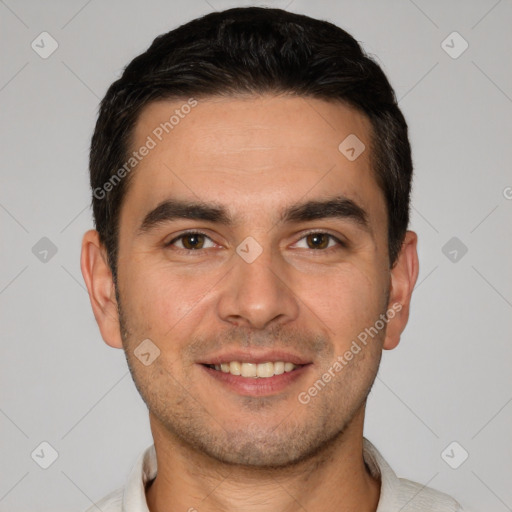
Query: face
248	240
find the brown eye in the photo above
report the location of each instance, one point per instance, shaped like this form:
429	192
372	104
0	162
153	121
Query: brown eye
191	241
318	240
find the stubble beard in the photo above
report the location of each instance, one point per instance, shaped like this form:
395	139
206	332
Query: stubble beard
303	433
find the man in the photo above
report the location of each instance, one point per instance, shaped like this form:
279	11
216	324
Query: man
251	175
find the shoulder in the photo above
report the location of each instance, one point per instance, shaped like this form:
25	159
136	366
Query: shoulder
415	497
131	497
402	494
113	502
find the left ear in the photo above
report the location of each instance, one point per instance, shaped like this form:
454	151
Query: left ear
403	279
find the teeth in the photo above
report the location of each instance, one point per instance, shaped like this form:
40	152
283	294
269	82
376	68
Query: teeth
278	368
265	370
288	367
249	369
235	368
261	370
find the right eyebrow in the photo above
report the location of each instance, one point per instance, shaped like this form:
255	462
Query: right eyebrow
174	209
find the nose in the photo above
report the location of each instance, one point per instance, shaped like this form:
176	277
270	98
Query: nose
258	294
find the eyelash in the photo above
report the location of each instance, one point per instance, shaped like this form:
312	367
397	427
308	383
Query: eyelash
341	244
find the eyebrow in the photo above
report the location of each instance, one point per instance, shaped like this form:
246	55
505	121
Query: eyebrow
339	207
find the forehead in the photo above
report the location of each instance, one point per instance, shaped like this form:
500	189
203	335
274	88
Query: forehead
253	124
247	150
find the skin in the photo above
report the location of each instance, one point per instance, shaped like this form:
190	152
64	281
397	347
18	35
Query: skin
216	449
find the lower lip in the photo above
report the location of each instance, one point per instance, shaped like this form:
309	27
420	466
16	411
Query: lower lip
262	386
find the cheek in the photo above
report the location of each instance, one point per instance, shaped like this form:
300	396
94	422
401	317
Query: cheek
348	300
161	300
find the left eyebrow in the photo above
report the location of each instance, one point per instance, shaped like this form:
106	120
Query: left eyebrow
337	207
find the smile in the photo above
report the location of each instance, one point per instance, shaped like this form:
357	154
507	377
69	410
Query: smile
255	370
256	379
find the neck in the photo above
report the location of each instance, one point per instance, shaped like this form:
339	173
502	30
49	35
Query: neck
335	479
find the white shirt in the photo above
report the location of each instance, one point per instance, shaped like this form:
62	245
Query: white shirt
396	494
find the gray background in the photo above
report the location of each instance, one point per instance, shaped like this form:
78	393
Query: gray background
449	379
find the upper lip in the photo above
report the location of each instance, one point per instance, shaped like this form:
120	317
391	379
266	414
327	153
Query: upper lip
255	356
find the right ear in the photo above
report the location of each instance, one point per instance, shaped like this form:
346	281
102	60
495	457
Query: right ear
100	285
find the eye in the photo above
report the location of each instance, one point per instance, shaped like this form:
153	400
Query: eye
320	240
196	240
190	241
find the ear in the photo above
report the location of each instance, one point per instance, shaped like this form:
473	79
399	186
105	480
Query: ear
403	279
100	285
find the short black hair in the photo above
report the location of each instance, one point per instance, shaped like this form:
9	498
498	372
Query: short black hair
254	51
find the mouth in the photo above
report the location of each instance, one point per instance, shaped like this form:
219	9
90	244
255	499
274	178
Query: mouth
252	373
264	370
